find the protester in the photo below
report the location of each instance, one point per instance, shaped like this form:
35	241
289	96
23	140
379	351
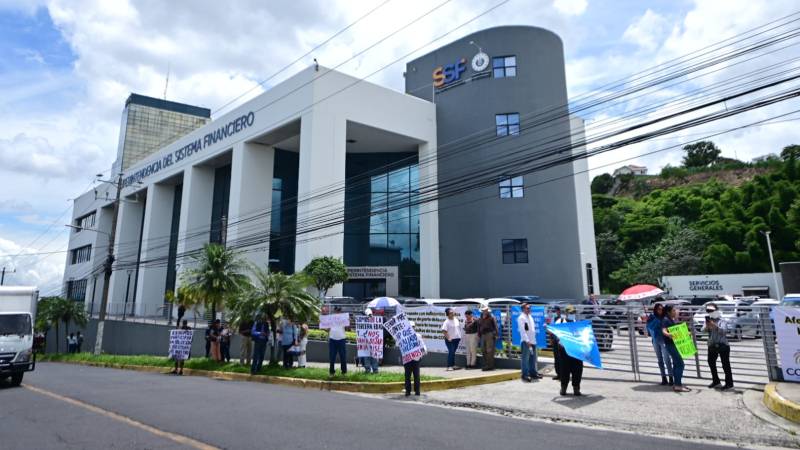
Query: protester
670	319
181	313
370	364
556	318
246	348
487	331
179	362
260	336
288	332
471	339
303	339
718	347
337	345
79	343
451	328
570	367
72	343
208	338
527	333
225	343
660	348
214	337
412	367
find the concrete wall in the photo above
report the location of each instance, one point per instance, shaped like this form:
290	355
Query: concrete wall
473	224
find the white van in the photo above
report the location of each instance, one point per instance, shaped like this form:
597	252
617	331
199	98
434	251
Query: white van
17	316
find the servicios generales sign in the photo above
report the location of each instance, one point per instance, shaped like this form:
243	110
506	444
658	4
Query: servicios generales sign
223	132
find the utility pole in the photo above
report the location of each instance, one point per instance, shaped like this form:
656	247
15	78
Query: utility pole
98	344
3	276
772	262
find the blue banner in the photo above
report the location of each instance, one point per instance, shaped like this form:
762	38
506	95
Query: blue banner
499	318
538	314
578	340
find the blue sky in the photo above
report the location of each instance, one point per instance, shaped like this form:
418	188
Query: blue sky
66	68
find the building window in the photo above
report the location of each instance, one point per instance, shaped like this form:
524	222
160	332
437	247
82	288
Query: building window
81	254
507	124
515	251
512	188
76	290
85	222
504	66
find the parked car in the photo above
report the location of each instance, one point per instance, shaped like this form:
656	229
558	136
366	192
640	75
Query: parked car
732	311
790	300
749	318
525	298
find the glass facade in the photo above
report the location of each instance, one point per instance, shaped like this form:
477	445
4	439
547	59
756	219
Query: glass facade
283	216
172	255
219	206
147	129
381	218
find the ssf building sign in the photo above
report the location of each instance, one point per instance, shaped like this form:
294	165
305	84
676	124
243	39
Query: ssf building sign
449	75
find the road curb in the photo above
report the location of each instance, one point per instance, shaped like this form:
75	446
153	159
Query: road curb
780	405
346	386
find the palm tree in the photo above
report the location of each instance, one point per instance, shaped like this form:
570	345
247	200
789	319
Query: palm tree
278	295
217	274
188	298
46	316
71	311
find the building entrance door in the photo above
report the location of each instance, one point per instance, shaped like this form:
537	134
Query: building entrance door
365	288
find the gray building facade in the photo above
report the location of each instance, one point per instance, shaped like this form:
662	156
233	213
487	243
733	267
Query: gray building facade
501	105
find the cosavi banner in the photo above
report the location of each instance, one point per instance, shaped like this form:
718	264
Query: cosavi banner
787	331
578	340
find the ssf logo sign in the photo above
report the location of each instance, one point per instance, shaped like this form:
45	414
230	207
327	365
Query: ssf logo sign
444	75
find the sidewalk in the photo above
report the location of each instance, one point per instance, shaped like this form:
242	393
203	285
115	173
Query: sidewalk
612	400
431	371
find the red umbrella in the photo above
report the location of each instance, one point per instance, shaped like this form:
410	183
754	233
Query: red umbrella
640	291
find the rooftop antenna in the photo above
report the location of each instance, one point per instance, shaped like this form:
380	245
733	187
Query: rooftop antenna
166	84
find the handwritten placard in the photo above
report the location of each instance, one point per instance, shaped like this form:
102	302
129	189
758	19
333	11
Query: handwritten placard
369	336
683	340
334	320
411	347
180	344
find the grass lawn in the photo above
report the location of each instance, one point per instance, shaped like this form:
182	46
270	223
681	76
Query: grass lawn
309	373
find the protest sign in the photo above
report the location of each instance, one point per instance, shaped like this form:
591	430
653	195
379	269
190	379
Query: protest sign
405	337
334	320
578	340
369	336
428	322
683	340
787	331
180	344
537	313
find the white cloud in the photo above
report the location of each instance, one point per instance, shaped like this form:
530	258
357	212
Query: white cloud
571	7
648	30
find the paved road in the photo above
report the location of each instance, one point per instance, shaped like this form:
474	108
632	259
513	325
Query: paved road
139	410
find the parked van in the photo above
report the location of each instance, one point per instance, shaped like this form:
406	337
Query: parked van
17	316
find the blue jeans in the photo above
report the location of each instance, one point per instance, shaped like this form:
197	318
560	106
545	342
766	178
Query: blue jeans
664	360
529	361
259	349
677	364
370	364
452	346
337	347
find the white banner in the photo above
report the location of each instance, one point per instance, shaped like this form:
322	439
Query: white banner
369	340
334	320
406	339
787	331
428	322
180	344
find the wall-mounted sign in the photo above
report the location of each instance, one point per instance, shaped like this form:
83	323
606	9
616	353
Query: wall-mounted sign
451	74
705	285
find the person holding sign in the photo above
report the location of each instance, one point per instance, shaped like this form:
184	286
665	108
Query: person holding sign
570	367
337	345
718	347
670	319
412	366
179	361
452	337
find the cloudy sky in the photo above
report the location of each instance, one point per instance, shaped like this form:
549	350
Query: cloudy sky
66	68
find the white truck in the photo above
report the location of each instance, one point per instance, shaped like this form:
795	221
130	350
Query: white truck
17	316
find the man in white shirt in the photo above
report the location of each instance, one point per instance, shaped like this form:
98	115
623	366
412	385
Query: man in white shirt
452	337
337	345
527	334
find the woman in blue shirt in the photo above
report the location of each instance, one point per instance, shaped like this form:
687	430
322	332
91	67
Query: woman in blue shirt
289	338
670	319
654	328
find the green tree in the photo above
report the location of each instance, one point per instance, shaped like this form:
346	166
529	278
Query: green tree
217	274
46	316
700	154
790	152
601	184
278	295
326	272
52	311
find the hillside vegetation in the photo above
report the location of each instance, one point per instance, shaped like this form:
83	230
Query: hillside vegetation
707	216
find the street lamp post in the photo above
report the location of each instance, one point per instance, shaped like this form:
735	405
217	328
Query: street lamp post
772	263
101	321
